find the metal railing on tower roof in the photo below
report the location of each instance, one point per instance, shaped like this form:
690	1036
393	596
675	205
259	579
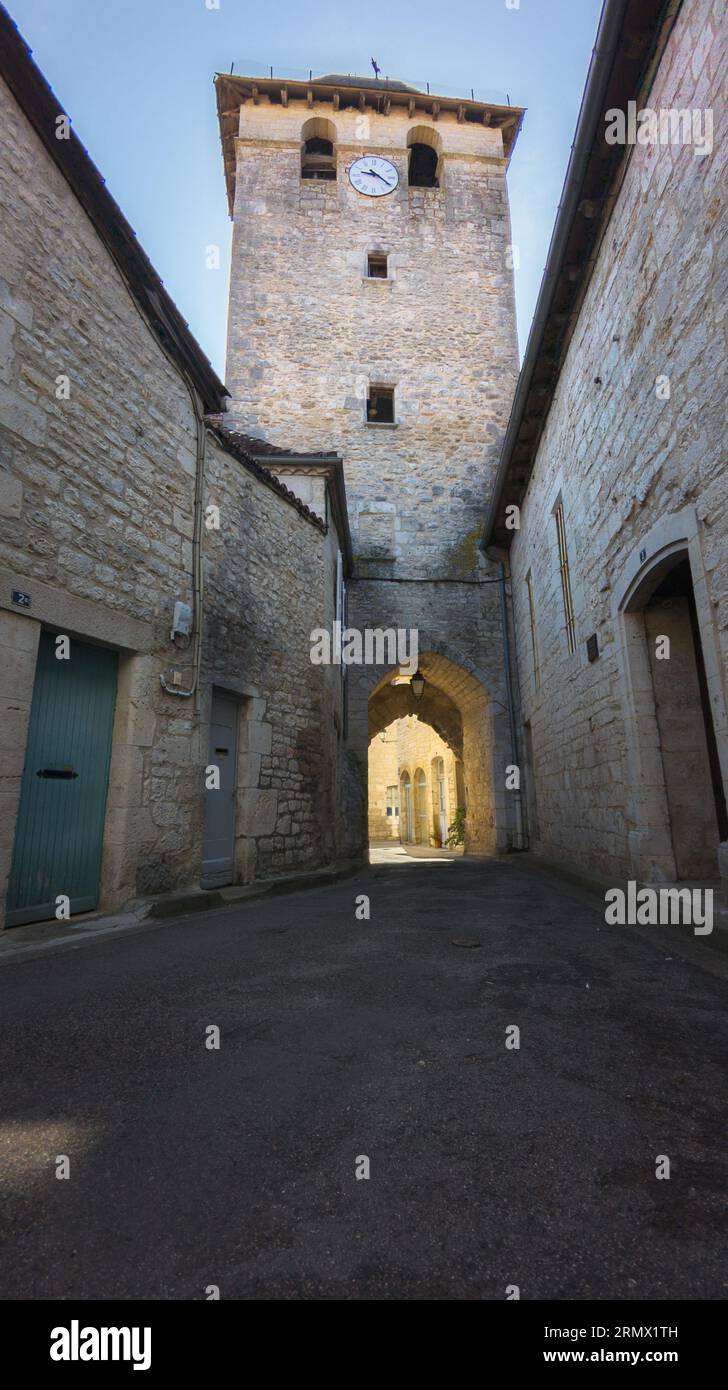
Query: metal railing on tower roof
251	67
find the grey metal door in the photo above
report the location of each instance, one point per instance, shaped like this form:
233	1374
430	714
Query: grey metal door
60	827
219	837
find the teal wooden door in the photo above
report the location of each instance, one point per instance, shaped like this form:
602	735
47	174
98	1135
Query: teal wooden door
60	826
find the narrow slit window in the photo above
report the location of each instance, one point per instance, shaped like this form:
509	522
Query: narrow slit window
380	405
565	579
376	266
534	634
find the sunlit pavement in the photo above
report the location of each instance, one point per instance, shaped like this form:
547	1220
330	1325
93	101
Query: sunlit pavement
391	852
343	1038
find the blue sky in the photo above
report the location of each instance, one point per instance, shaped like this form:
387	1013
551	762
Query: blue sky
135	76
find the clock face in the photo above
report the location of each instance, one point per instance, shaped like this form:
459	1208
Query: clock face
373	175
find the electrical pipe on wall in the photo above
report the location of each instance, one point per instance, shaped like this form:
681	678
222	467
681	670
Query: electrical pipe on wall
197	594
520	836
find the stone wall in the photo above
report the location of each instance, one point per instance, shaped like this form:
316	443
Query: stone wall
308	331
383	773
269	583
418	747
638	474
96	498
407	746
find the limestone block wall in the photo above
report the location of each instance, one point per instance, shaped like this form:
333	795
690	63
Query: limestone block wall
406	746
96	503
308	331
418	746
269	583
383	773
636	473
96	496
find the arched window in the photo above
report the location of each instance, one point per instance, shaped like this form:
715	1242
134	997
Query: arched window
424	157
422	819
318	149
439	788
423	167
406	822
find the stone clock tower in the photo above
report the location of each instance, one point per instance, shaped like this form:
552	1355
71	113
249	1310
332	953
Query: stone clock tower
372	314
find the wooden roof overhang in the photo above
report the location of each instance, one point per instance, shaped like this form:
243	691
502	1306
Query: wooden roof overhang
43	109
233	91
640	29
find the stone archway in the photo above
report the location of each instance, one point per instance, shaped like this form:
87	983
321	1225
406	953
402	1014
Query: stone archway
674	711
457	705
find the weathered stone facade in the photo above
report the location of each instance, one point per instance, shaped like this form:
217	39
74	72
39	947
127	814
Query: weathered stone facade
310	333
384	818
642	477
309	330
97	496
269	584
411	751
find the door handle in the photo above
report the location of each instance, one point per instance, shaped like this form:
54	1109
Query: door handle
57	773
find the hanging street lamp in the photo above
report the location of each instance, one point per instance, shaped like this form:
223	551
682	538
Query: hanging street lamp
417	685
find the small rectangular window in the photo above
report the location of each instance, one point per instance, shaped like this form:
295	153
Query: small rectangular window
534	634
376	266
565	579
380	405
392	801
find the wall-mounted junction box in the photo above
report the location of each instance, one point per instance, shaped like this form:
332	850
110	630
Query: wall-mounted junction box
181	620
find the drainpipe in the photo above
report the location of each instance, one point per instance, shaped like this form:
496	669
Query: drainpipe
199	495
201	434
196	550
520	835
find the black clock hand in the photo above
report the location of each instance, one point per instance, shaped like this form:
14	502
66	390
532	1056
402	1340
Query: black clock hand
375	175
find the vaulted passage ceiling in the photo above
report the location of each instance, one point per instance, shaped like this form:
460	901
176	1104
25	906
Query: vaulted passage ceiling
435	708
449	693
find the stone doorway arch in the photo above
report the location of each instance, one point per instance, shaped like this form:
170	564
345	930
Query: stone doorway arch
674	710
458	706
422	818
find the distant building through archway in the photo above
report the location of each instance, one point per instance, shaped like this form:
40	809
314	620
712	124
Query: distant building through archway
439	751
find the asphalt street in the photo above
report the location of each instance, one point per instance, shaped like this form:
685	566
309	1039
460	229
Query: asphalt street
343	1039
